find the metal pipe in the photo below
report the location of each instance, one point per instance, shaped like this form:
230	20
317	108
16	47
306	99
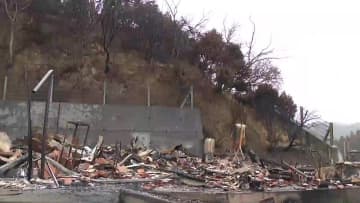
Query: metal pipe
70	155
85	140
52	88
52	175
43	80
44	138
30	155
29	174
73	139
5	87
148	95
58	118
104	92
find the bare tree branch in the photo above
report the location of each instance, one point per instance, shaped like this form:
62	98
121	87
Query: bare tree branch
109	26
201	22
25	5
229	32
309	118
259	64
6	8
264	54
250	46
12	16
194	29
14	6
173	8
264	72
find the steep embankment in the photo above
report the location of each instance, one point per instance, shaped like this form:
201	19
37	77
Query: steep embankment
79	78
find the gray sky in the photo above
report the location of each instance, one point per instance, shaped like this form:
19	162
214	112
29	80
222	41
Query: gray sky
318	40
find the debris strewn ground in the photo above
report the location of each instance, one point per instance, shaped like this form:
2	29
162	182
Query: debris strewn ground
69	164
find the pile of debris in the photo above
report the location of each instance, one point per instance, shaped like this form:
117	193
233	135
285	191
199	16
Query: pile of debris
68	163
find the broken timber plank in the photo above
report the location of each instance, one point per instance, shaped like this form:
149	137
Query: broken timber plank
142	180
294	169
125	159
62	168
6	167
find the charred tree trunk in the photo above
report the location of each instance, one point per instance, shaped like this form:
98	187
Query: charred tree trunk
12	7
11	57
11	42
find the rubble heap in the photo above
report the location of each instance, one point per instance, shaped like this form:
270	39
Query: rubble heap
71	164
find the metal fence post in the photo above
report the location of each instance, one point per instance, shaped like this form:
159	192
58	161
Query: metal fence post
331	133
51	91
47	76
29	173
148	95
5	88
104	92
192	96
58	118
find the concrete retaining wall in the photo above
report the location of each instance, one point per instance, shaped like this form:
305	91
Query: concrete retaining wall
159	127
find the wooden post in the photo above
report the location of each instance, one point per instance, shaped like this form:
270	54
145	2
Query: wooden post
239	133
242	140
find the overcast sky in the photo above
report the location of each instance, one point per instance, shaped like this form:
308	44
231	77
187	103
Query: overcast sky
317	39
